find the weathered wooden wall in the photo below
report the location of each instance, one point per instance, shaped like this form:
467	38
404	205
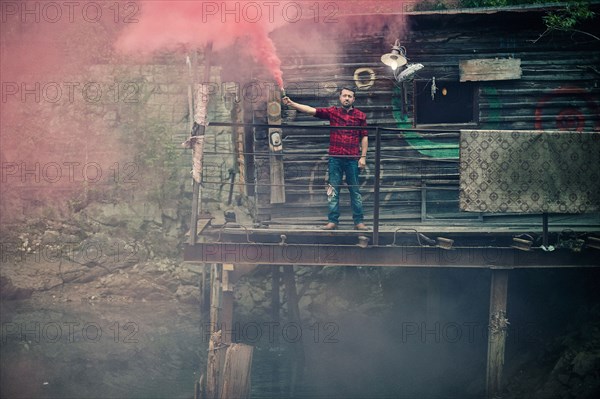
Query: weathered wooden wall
558	89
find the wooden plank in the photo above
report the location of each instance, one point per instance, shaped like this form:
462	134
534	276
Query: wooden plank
237	116
214	367
406	252
498	325
298	359
276	149
275	299
236	372
201	224
490	69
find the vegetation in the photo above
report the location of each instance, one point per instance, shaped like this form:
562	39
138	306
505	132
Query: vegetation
566	18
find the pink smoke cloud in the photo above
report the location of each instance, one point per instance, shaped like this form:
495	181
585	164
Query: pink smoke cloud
170	24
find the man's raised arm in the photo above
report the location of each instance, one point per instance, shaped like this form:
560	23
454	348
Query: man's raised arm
307	109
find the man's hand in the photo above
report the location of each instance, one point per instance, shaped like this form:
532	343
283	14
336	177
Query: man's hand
307	109
362	162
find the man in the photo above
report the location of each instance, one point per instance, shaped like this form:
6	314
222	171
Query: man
347	153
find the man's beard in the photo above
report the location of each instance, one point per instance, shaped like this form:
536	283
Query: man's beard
347	106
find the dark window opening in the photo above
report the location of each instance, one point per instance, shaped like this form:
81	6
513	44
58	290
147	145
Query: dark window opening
449	102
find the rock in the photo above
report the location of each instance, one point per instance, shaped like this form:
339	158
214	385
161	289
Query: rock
113	215
71	271
563	378
9	291
37	275
167	281
586	363
305	303
90	275
188	294
187	277
50	237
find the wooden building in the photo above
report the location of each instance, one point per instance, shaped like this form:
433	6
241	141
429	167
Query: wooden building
483	70
473	153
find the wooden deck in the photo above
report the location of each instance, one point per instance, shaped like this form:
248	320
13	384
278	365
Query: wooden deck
480	245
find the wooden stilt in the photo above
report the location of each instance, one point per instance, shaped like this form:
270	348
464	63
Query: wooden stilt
228	364
498	324
236	372
205	291
277	175
199	388
215	296
275	308
192	104
226	322
433	296
216	349
275	300
289	280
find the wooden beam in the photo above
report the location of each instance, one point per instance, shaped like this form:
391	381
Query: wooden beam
275	299
276	149
498	325
216	346
490	69
192	104
236	372
396	256
298	360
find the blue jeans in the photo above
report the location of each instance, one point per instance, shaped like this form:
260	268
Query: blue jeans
337	168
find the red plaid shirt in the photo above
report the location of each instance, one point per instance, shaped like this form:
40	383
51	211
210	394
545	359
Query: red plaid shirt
344	142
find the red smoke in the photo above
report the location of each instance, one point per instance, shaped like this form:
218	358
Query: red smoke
54	138
169	24
52	51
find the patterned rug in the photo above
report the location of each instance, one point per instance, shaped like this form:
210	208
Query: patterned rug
529	171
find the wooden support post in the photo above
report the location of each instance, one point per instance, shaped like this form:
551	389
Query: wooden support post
276	148
191	62
215	296
238	141
498	324
196	192
226	322
205	291
275	308
423	201
433	295
376	186
236	372
216	349
228	364
275	300
545	230
294	317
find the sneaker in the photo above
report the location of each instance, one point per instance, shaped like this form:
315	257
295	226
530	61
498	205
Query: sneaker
361	226
329	226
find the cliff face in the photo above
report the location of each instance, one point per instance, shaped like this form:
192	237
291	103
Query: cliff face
94	255
96	189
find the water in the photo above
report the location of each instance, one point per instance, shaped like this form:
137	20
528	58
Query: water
409	348
84	350
156	350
